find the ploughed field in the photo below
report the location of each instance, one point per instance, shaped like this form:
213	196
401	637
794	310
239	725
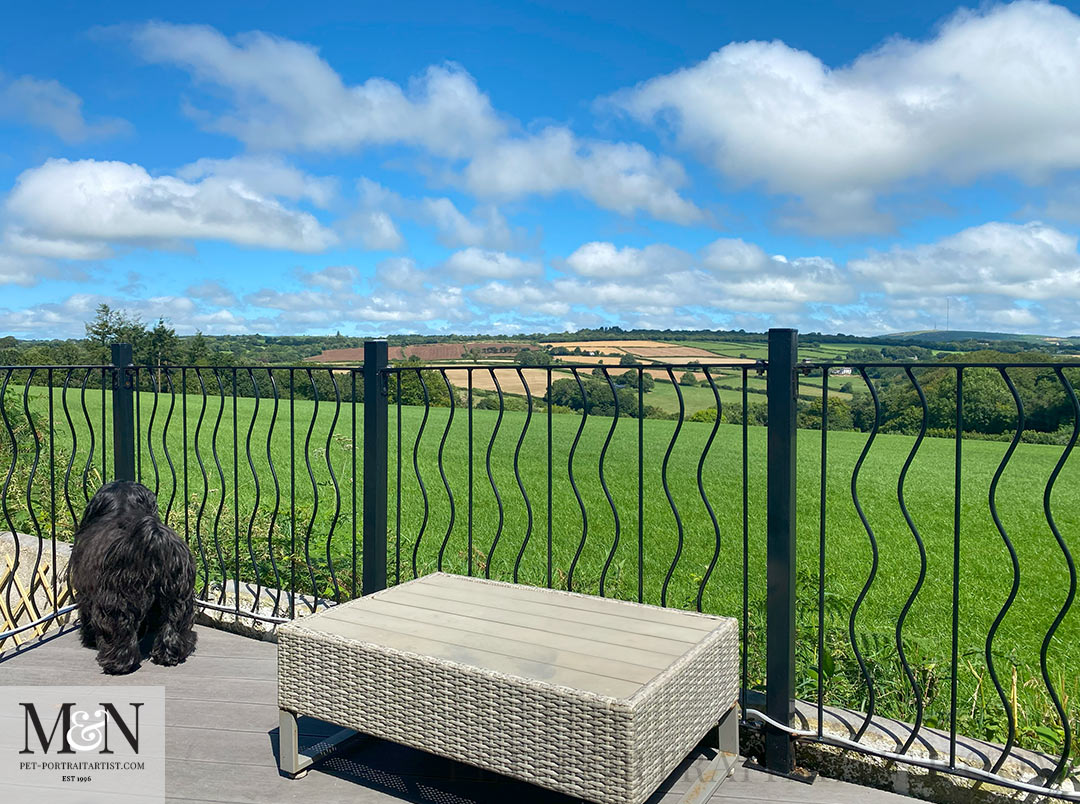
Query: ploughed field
305	520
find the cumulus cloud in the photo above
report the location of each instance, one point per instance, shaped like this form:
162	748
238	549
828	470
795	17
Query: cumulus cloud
80	209
623	177
48	104
1019	261
267	175
212	293
604	259
473	264
995	90
335	278
286	96
487	228
400	273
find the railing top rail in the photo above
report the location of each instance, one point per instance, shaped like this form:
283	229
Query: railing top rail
903	364
754	365
55	367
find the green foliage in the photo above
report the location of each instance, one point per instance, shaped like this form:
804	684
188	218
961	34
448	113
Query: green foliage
533	357
688	378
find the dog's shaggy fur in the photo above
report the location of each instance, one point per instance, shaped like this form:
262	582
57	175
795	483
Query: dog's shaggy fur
133	577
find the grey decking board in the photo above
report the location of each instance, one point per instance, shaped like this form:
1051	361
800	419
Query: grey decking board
215	766
474	657
537	636
517	648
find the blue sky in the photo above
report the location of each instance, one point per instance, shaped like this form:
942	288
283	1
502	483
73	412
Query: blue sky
518	168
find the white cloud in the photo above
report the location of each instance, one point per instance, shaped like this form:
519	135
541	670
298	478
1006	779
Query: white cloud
605	260
399	273
487	228
523	298
335	278
90	204
474	264
623	177
212	293
283	95
49	104
1018	261
996	90
286	96
267	175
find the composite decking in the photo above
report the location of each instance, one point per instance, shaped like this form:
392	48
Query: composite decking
221	740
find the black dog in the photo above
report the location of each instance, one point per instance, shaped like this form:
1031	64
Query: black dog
132	576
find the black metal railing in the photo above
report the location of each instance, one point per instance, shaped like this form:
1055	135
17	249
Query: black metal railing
895	564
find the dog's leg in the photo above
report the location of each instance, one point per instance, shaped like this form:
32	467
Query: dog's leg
175	639
86	627
117	639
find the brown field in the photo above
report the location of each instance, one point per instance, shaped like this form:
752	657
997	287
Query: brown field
670	351
508	380
609	345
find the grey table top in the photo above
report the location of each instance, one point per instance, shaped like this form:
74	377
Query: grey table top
598	645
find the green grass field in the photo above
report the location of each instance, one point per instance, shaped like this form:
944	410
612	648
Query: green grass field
316	532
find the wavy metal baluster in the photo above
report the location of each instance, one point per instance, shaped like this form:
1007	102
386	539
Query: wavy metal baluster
337	488
823	471
397	541
416	469
52	486
871	695
104	431
30	488
667	489
90	429
550	475
442	470
954	664
912	680
277	491
314	604
184	449
1059	769
165	444
603	481
292	494
1010	715
573	483
8	580
491	477
221	479
641	485
701	488
236	489
355	482
206	488
517	474
132	376
469	405
74	450
745	464
258	493
155	381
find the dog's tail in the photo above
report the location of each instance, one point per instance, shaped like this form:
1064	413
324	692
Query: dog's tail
151	543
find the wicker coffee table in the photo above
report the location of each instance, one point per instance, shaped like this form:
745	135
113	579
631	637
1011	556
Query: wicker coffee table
592	697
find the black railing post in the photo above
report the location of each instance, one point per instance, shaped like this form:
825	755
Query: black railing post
781	392
376	429
123	413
